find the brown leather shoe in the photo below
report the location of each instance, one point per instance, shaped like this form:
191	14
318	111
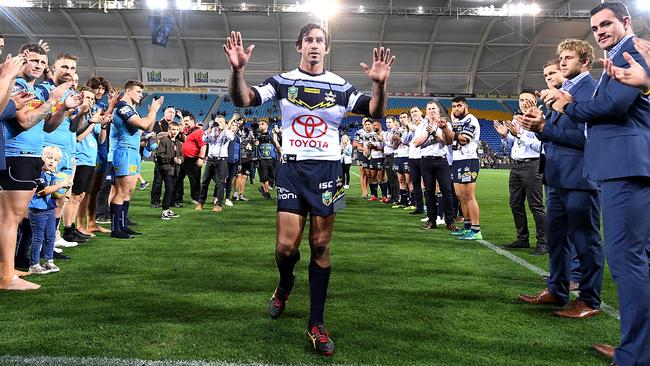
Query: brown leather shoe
217	209
428	226
604	349
452	227
198	206
577	310
543	298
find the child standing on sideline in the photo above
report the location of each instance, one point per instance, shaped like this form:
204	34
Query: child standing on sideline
42	210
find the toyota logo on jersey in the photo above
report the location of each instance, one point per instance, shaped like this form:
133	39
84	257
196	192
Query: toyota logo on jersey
309	126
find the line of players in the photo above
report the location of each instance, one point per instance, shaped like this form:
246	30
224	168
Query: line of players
424	151
55	112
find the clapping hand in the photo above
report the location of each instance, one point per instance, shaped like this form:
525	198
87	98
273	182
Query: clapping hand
382	62
532	120
21	99
636	75
156	104
556	99
11	67
501	129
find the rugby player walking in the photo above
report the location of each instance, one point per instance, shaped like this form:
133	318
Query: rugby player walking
313	102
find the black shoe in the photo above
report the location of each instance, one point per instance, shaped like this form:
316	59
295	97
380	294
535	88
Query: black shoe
21	263
60	256
416	212
540	250
428	226
121	235
103	220
70	235
128	231
261	190
320	339
77	232
131	223
177	205
517	244
155	205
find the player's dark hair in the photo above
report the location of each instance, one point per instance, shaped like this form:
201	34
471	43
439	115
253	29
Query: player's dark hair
527	91
190	116
304	31
96	81
459	99
551	62
32	47
619	9
1	36
132	84
86	88
174	124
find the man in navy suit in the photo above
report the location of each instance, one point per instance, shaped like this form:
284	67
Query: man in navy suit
617	157
572	202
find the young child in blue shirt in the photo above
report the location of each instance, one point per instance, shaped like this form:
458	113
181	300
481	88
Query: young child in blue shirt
42	212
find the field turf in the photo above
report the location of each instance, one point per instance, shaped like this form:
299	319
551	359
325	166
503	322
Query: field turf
197	287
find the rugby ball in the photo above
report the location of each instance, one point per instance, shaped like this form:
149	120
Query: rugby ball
58	178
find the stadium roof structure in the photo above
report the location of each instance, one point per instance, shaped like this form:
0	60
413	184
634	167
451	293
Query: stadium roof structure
442	46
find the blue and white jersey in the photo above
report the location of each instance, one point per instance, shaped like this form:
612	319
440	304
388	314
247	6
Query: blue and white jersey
19	142
468	126
388	136
312	107
402	150
377	151
86	153
362	137
127	136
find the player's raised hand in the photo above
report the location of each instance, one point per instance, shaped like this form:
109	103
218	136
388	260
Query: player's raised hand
635	75
73	101
57	93
11	67
512	128
237	55
44	45
382	61
156	104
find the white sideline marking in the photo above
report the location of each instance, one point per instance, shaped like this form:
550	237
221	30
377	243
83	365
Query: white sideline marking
92	361
609	310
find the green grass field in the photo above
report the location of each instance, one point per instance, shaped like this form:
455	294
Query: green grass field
196	288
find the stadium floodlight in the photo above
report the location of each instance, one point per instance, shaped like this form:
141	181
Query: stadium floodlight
420	10
184	4
16	3
361	9
157	4
643	5
321	8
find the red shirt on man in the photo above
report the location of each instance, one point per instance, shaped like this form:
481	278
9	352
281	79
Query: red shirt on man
193	143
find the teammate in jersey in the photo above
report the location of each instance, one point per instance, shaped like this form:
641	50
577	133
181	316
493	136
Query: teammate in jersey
465	168
128	127
24	138
313	102
360	143
376	148
401	165
64	137
389	160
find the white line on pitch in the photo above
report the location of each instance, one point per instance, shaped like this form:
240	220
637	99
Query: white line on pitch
533	268
92	361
